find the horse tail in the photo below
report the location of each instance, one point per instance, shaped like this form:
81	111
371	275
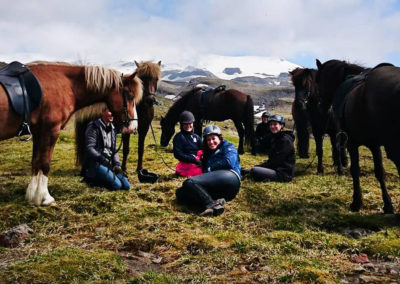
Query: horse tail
249	122
82	119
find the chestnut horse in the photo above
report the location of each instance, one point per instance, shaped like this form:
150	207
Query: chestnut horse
150	74
306	109
226	104
370	117
67	88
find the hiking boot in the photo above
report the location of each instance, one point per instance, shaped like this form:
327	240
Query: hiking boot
207	212
218	209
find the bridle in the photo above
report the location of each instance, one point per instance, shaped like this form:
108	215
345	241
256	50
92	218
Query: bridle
127	119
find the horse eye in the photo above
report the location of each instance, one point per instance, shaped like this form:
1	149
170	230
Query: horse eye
130	98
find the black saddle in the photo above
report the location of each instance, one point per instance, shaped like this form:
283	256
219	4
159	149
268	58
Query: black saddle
22	87
352	81
205	97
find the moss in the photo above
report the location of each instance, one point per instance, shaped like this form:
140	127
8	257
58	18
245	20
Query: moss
154	278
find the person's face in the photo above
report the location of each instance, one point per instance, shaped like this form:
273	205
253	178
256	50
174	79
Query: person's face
107	116
265	119
187	126
213	141
275	126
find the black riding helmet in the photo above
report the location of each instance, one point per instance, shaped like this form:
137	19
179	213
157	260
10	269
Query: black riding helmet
265	114
277	118
186	117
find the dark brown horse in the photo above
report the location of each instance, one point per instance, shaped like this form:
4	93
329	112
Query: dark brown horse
66	89
307	109
226	104
370	117
150	74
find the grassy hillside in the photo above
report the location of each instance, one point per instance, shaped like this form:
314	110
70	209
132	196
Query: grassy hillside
298	232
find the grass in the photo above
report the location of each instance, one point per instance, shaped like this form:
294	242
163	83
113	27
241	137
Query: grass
272	232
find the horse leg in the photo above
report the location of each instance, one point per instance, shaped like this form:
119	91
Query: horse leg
336	153
318	149
240	130
125	149
380	176
143	129
355	173
43	146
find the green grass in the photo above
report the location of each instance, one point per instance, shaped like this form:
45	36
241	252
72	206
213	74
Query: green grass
272	232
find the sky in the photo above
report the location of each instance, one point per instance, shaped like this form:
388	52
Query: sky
365	32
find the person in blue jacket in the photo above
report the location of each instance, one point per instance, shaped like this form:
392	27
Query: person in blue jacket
101	165
186	145
220	181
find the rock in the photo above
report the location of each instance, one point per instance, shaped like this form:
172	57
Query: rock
370	279
15	236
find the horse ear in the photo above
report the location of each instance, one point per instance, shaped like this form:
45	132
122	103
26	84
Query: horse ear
159	63
137	64
319	64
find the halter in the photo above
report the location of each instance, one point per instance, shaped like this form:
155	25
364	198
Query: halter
127	119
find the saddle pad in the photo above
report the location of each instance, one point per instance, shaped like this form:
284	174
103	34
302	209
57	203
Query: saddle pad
9	79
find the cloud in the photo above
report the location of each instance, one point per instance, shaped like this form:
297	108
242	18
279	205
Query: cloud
102	31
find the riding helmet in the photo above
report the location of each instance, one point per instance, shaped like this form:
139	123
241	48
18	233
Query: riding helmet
211	129
277	118
265	114
186	117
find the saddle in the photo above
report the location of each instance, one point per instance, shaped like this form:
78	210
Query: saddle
23	90
205	97
351	81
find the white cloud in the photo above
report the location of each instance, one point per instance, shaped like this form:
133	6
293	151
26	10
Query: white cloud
182	31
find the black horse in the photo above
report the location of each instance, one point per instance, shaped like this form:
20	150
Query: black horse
219	106
307	109
150	74
368	114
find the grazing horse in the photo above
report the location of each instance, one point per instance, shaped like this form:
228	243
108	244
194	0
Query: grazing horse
369	116
65	89
225	104
150	74
306	109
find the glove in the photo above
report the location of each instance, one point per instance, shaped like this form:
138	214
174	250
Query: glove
198	163
118	170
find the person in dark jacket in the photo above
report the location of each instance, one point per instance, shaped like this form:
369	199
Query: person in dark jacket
101	165
186	146
263	134
282	157
220	181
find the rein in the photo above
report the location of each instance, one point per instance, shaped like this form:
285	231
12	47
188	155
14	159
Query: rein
155	143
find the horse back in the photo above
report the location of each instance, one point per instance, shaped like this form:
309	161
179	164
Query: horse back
227	104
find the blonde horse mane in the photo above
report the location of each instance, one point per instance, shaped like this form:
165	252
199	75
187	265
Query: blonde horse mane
100	79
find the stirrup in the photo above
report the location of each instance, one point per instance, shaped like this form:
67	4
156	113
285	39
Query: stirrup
24	131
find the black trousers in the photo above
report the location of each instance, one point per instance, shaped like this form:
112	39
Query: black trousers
202	191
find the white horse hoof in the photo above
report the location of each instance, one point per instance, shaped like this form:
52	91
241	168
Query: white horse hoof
48	200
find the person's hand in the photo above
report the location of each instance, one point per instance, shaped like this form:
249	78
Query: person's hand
118	170
107	163
198	163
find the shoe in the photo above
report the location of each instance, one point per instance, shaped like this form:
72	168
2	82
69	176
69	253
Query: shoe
221	201
218	209
207	212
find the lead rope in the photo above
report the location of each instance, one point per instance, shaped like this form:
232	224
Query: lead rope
155	149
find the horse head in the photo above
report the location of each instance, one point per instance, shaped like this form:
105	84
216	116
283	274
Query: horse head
150	74
329	77
123	103
167	130
303	79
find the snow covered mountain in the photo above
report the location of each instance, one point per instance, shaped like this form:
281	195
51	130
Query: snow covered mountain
247	69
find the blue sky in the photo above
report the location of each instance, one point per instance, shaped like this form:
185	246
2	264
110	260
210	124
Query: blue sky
174	31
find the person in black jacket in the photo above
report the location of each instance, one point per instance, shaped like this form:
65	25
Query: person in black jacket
101	165
186	145
282	156
263	134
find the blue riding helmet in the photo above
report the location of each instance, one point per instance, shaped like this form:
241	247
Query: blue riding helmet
277	118
211	129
